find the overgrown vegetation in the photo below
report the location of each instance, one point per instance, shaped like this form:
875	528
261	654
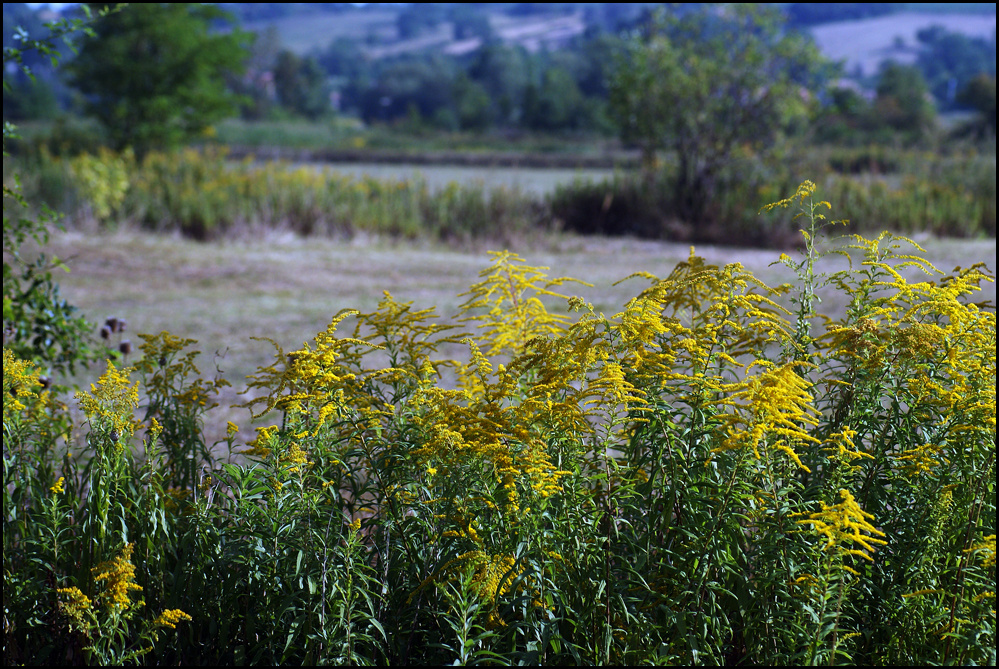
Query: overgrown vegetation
876	188
202	195
703	477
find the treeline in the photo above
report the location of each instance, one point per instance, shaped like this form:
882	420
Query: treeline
499	84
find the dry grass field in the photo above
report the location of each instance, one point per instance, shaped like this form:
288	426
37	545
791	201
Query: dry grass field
223	294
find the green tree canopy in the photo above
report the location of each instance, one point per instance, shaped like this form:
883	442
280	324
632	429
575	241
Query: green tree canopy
154	73
301	85
702	83
903	100
980	95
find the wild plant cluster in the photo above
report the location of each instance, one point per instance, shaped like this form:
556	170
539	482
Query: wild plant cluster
202	194
705	477
905	192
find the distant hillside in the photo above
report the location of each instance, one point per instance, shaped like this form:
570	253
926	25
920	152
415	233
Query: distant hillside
884	30
864	43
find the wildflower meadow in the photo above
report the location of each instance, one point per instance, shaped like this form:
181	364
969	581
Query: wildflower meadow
705	477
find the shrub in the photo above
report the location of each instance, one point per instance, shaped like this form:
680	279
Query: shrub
704	477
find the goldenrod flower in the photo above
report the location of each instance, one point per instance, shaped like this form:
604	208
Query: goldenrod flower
57	488
170	618
74	604
111	402
776	409
20	380
843	524
987	546
510	294
119	578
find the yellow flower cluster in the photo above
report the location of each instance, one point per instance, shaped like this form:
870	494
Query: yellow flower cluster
844	524
263	444
170	618
74	605
514	313
311	379
20	381
119	579
295	459
987	548
110	404
776	409
58	487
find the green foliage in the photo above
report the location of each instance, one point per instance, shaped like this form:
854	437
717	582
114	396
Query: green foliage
154	73
301	85
204	196
949	61
903	101
704	83
876	188
557	104
703	477
980	95
38	324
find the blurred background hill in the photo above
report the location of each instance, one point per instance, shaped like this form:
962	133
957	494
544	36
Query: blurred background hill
531	66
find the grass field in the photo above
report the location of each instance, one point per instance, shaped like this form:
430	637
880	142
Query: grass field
287	288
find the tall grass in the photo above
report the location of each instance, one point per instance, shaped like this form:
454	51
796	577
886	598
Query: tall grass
875	189
203	195
703	477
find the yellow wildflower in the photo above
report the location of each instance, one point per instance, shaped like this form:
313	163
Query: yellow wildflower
20	380
119	578
845	523
74	604
987	546
57	488
776	406
170	618
110	403
510	293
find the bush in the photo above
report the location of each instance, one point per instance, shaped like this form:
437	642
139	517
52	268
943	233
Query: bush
704	477
203	195
875	188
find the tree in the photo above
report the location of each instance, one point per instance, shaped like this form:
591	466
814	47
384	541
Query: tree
980	95
38	324
705	82
903	100
556	105
154	74
949	60
301	85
